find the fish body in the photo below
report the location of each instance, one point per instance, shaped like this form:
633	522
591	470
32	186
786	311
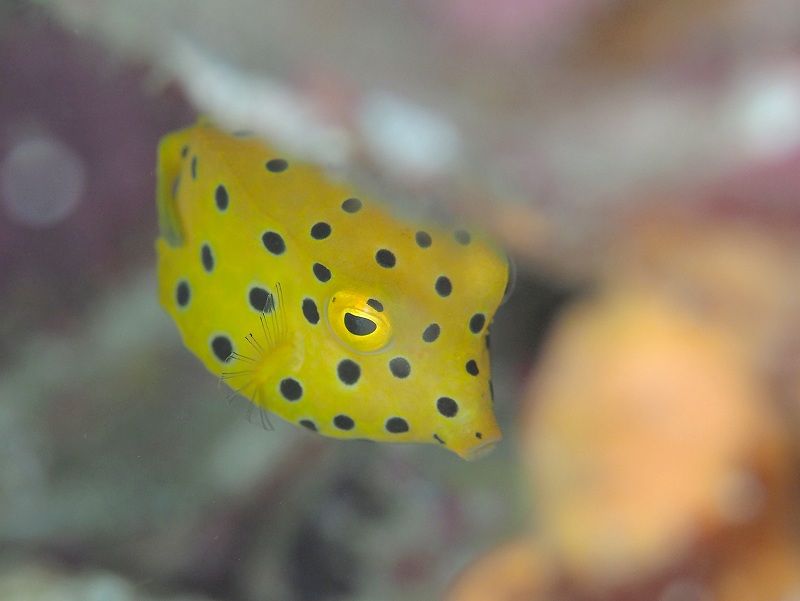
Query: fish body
318	303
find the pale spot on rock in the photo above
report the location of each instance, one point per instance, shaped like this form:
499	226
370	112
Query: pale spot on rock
742	497
41	181
686	590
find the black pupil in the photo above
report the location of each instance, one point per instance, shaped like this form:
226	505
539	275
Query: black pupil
359	326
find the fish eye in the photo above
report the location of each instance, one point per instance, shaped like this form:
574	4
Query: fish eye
359	326
359	321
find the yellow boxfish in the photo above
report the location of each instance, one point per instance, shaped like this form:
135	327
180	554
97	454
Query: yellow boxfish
320	305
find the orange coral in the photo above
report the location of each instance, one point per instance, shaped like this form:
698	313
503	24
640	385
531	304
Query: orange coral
768	570
517	570
642	436
657	452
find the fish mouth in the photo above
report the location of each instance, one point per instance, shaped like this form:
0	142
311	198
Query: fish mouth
474	441
481	451
486	444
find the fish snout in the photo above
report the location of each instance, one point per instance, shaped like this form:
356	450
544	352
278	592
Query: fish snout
478	444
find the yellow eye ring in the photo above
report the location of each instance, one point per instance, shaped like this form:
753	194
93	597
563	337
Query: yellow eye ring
359	321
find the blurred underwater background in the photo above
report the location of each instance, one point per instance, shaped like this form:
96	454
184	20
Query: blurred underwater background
639	160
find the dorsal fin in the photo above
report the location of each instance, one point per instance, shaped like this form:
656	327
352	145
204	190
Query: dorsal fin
169	171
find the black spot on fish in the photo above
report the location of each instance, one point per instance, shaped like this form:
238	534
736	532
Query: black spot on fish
182	293
291	389
351	205
348	371
322	273
310	311
274	243
385	258
260	299
320	230
400	367
344	422
444	287
207	258
431	333
221	198
462	237
447	406
477	322
222	348
276	165
396	425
